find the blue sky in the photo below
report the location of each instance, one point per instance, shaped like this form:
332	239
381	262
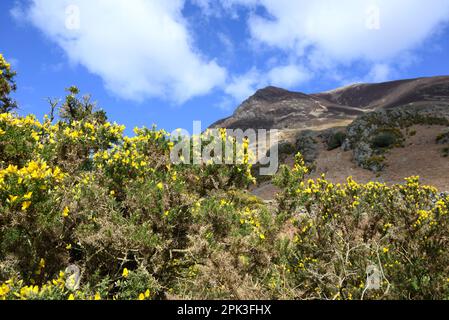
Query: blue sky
171	62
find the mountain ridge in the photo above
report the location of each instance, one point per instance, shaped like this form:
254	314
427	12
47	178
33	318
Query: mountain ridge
414	113
276	108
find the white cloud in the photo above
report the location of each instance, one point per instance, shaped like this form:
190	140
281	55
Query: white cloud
374	30
285	76
379	72
145	49
241	87
328	36
140	50
205	5
288	76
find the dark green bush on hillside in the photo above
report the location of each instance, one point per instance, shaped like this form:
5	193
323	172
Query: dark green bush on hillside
286	148
384	140
336	140
443	138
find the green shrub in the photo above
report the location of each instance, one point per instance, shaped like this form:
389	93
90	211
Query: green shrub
79	192
7	86
445	152
375	163
139	227
344	229
384	140
286	148
443	138
336	140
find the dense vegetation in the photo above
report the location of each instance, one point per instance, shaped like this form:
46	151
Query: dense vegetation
7	85
77	191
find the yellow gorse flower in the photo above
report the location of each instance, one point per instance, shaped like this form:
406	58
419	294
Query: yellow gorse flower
12	199
26	205
65	212
28	195
35	136
42	263
4	290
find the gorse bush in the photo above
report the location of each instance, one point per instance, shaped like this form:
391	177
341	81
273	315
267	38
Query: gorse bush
340	230
77	191
7	85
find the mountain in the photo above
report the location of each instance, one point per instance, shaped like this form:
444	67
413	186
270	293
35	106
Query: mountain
372	132
390	94
277	108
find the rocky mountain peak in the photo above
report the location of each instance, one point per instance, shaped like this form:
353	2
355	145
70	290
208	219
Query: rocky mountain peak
277	108
273	94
